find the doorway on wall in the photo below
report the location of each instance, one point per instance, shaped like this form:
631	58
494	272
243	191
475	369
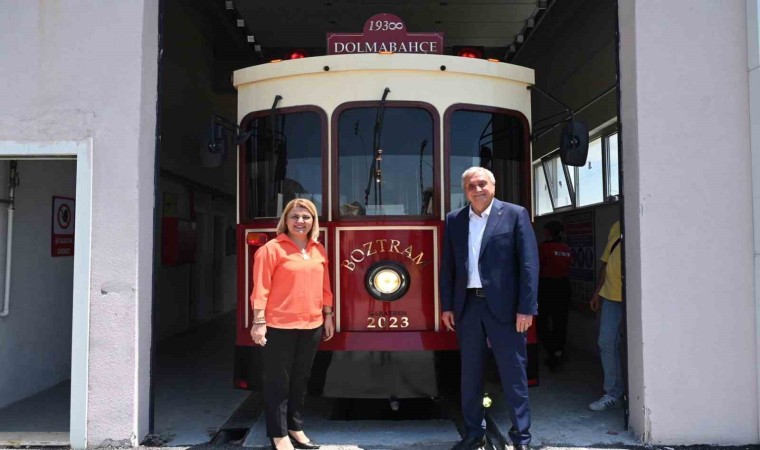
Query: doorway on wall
38	219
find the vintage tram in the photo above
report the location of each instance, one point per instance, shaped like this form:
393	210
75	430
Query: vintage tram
378	142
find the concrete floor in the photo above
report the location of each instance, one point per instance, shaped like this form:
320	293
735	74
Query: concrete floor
41	419
193	383
559	407
194	397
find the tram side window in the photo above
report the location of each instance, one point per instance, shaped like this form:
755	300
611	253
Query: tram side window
488	139
284	162
595	182
400	181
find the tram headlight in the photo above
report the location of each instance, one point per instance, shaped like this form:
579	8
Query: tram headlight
387	281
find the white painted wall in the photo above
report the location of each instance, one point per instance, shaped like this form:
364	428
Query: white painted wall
76	70
753	65
688	211
36	337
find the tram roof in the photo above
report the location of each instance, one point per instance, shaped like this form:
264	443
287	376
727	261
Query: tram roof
392	62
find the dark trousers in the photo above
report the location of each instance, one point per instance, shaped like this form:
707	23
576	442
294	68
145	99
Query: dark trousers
553	308
288	356
509	350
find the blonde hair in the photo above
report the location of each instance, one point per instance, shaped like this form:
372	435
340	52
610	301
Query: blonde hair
282	226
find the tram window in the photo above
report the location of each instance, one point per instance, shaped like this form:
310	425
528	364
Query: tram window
557	182
490	139
401	183
543	203
613	175
590	188
284	162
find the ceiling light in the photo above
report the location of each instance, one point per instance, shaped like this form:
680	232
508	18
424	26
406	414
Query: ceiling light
240	23
228	5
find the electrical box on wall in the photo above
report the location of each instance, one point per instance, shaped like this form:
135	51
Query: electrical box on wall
179	239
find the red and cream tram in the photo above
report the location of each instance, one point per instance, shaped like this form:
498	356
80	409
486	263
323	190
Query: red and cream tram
378	142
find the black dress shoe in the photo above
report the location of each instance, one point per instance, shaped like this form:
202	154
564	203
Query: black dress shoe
303	445
470	443
521	446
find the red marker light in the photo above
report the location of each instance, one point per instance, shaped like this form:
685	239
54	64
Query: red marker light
256	239
297	54
470	52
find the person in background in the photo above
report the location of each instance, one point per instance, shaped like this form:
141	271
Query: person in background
609	298
553	293
292	310
488	283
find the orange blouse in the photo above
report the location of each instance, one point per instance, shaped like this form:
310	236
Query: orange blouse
290	289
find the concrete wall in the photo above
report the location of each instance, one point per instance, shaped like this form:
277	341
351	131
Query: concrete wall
79	69
753	65
688	212
189	96
36	336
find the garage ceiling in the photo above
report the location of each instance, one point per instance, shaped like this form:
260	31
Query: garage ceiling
289	24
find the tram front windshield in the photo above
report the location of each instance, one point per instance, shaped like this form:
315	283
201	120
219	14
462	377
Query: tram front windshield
385	161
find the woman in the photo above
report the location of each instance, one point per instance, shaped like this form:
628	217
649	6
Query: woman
292	305
553	293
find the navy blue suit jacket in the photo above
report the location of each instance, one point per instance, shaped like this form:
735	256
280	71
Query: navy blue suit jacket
508	263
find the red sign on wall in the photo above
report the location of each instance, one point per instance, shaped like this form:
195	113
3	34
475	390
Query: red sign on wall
62	240
384	33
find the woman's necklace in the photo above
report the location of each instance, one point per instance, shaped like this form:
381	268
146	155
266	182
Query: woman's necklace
304	254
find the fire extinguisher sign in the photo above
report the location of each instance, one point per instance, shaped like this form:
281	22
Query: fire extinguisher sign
62	241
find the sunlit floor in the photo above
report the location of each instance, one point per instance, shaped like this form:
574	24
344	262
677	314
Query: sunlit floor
41	419
559	407
194	397
193	383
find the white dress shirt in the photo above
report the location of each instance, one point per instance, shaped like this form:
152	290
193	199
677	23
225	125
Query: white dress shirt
475	237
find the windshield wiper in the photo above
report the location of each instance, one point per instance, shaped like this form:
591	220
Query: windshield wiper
374	169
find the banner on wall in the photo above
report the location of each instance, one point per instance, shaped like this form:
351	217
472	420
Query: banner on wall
579	232
62	241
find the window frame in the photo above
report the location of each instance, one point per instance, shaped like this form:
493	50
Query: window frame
526	172
243	178
604	135
335	163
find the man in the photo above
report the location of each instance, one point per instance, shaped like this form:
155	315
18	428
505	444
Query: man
553	293
609	296
489	277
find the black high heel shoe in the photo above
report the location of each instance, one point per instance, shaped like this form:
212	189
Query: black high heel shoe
274	447
311	445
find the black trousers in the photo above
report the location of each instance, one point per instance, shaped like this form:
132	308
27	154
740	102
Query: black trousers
553	308
288	356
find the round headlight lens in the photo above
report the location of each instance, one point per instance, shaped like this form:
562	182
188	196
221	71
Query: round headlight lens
387	281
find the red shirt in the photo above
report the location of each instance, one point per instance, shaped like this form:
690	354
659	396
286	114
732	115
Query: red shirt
290	288
554	259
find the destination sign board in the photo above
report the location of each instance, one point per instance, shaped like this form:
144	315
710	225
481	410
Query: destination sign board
384	33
